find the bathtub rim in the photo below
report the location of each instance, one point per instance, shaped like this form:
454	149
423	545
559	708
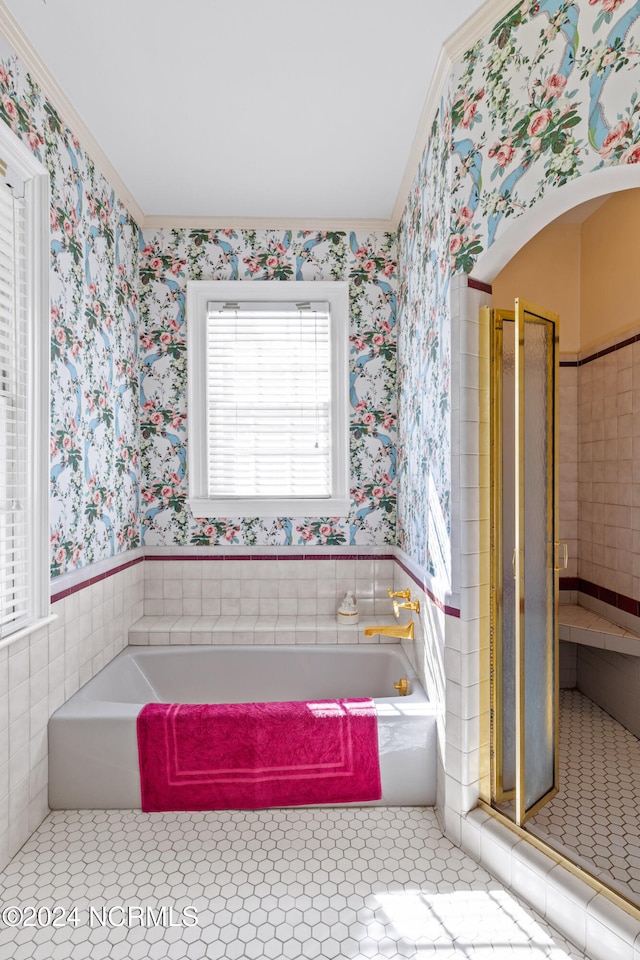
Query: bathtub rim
84	704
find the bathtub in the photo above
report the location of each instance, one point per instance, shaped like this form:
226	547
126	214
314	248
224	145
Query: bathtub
93	750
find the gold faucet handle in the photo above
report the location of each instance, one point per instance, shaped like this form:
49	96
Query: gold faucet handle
410	605
402	686
404	594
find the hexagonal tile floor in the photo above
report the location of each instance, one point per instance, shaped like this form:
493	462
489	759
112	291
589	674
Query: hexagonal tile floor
595	817
357	883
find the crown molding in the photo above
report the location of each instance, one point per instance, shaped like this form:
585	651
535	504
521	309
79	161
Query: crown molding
440	74
452	51
311	224
475	26
16	39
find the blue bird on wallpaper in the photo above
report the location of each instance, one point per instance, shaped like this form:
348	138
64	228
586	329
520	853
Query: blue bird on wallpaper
79	182
598	126
307	246
230	257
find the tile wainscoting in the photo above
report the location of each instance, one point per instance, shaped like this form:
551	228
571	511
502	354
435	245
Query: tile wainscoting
40	671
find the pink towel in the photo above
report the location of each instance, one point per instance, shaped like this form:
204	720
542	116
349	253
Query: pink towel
250	755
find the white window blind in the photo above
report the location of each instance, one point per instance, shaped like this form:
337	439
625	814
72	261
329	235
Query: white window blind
15	599
268	374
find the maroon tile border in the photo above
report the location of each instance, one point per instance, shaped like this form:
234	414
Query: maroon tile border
601	353
614	599
273	556
61	594
449	611
479	285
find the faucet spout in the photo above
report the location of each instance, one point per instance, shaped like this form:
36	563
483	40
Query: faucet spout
403	631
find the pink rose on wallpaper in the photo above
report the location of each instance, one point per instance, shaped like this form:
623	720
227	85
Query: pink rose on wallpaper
325	529
465	215
632	155
455	244
539	122
555	84
614	138
10	107
607	5
469	113
505	152
34	140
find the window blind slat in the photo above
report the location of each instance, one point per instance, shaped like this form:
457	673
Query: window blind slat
14	519
268	401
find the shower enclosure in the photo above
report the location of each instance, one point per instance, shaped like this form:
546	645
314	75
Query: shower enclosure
525	556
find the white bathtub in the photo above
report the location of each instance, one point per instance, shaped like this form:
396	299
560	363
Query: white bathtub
93	750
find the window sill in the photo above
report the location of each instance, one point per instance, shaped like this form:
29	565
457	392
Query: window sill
206	508
26	631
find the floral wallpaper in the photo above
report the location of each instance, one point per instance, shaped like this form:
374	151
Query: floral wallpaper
547	95
550	93
94	443
424	362
168	259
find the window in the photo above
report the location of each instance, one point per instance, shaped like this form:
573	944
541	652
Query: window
268	382
24	386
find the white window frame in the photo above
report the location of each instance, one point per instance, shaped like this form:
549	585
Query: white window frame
37	205
199	293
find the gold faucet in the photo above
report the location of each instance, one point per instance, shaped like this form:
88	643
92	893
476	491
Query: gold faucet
404	631
404	594
411	605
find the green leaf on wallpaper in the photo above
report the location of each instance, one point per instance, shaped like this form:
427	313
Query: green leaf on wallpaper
504	28
54	120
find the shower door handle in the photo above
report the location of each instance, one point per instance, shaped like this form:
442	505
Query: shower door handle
565	555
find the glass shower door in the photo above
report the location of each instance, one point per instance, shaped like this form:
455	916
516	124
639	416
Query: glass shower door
524	579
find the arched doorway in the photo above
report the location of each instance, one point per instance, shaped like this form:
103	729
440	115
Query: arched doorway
586	823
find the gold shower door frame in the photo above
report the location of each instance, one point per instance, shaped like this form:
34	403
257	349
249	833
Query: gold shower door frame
513	797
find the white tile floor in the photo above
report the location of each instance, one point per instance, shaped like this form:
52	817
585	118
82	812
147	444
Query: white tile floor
299	883
595	817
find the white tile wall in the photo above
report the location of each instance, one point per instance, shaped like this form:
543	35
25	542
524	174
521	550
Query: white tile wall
609	456
612	680
568	463
37	674
265	587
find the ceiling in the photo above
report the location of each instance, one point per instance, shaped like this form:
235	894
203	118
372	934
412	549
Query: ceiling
301	109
